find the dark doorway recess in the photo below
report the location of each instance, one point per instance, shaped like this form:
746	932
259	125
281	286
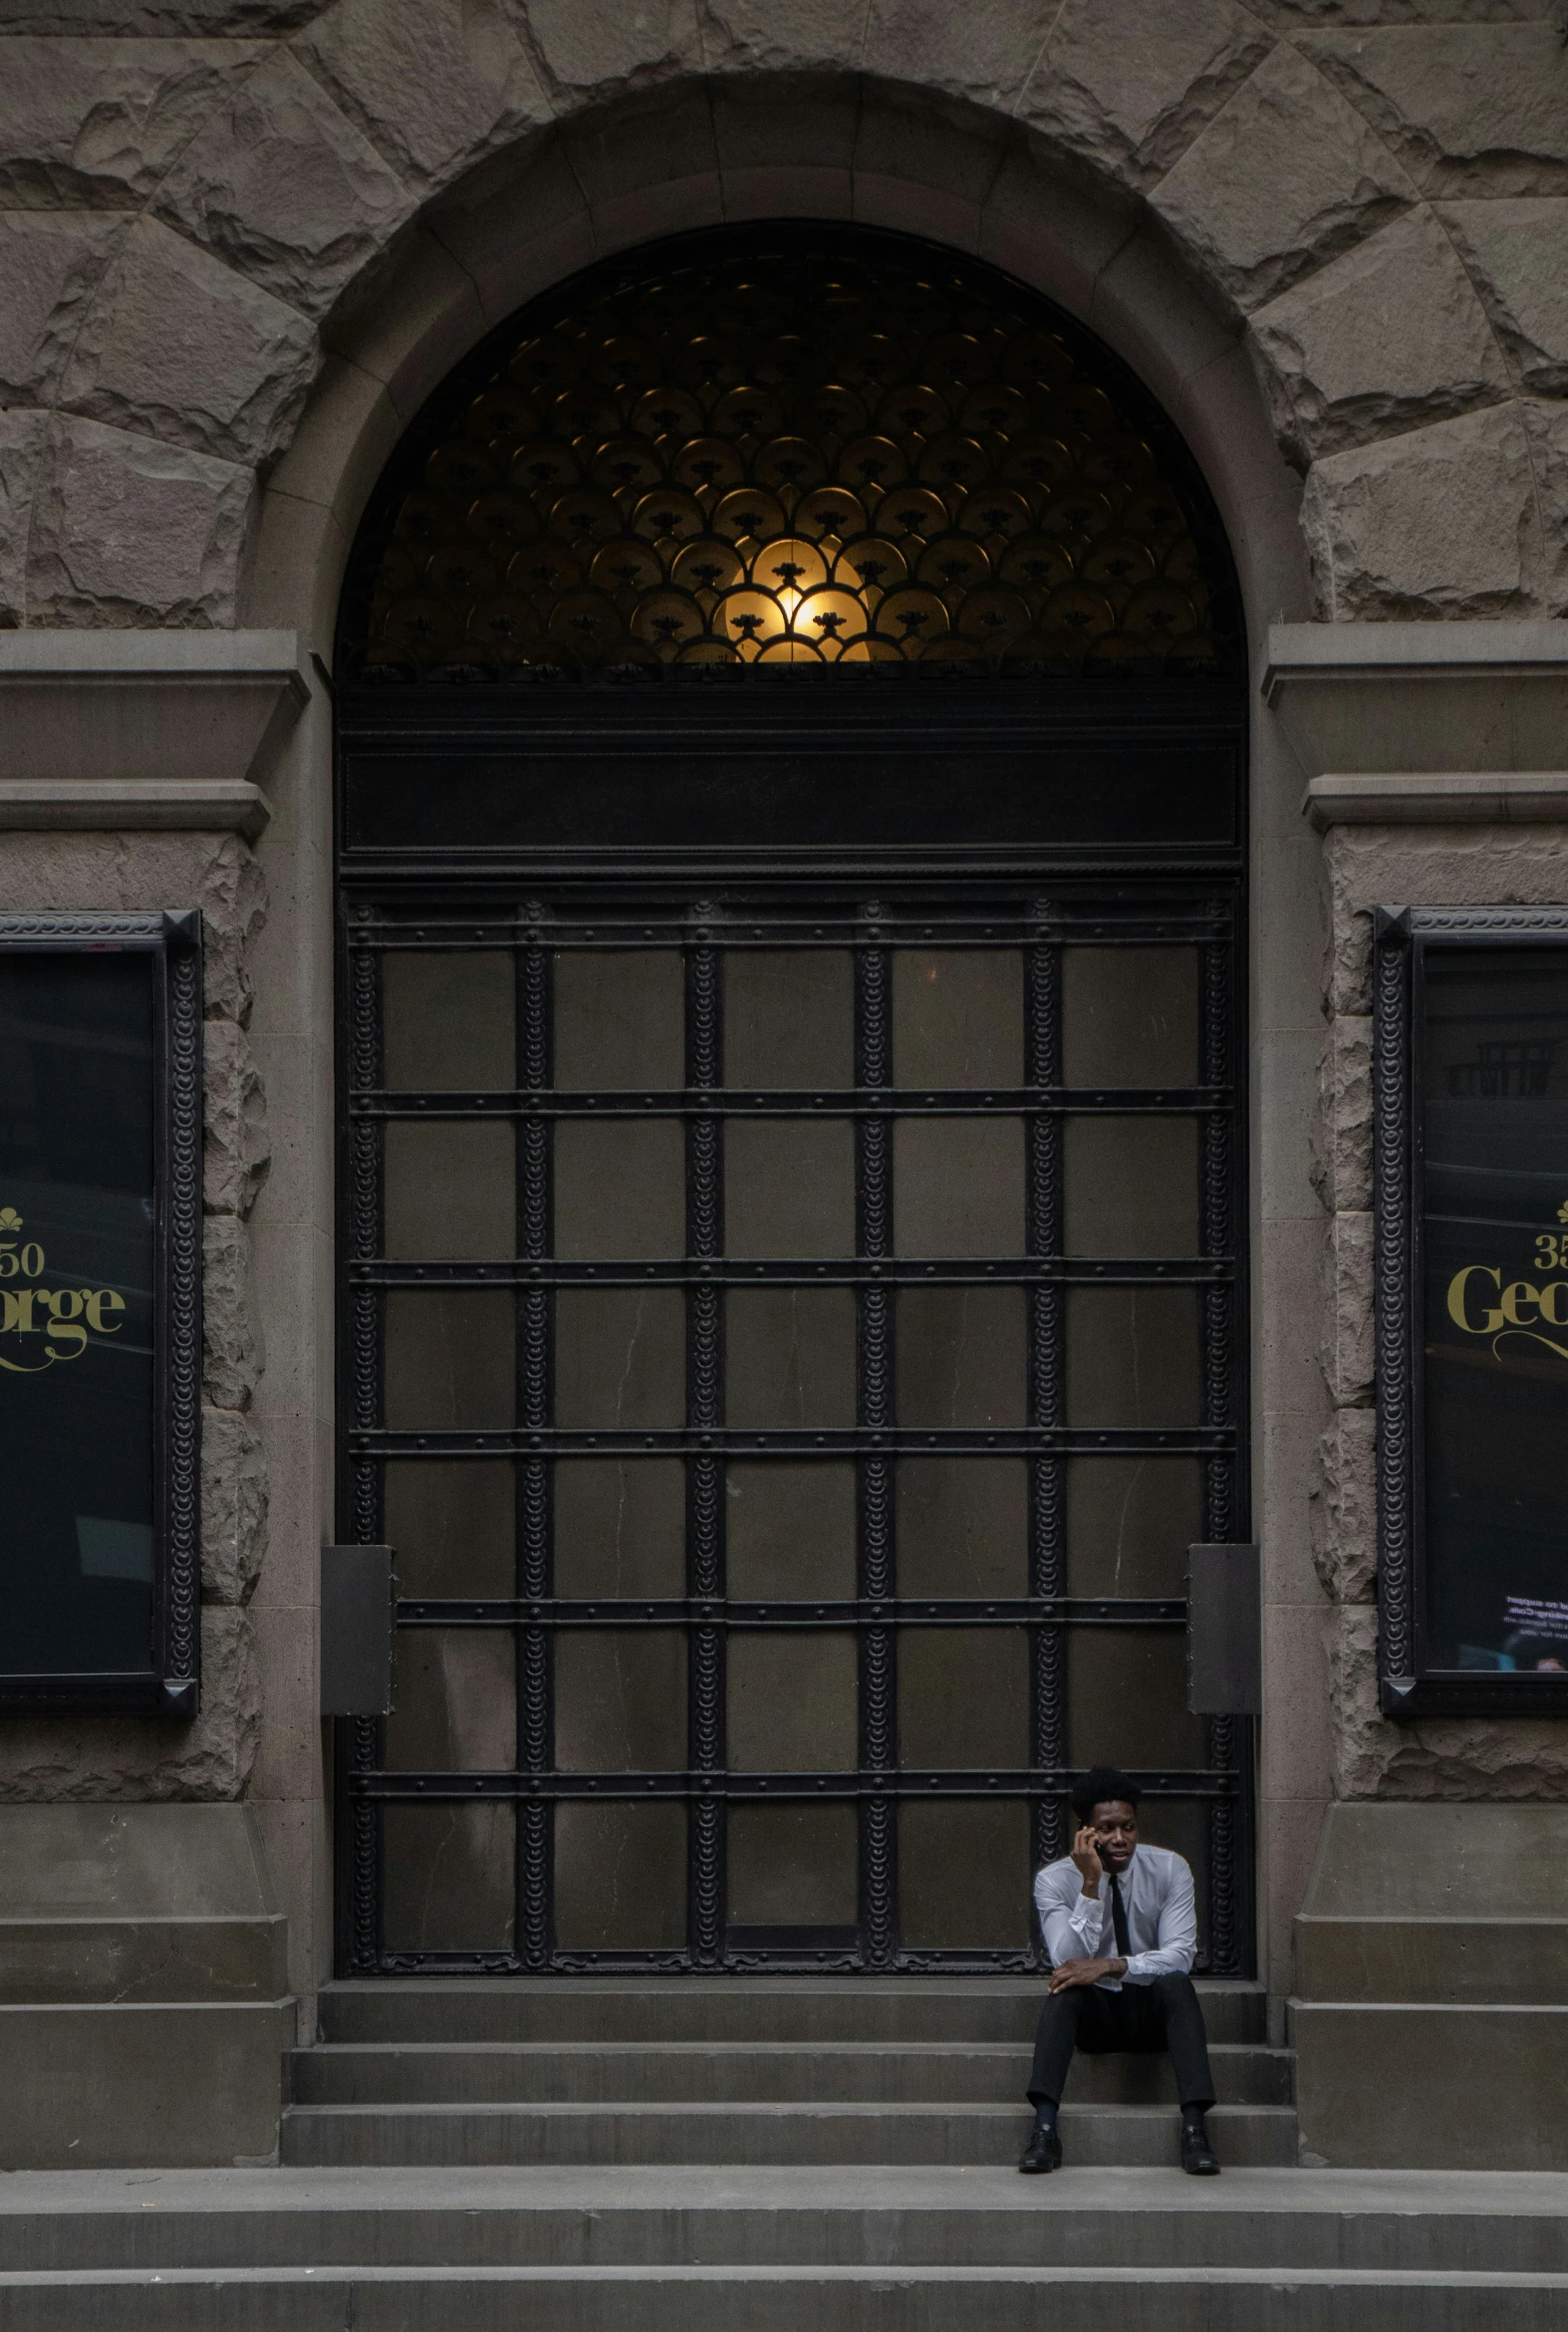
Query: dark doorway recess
792	1277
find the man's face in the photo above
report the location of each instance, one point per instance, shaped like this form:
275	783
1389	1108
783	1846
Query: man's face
1116	1832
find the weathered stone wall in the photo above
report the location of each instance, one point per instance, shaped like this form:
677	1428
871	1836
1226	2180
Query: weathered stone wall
217	215
126	1757
1375	192
1366	866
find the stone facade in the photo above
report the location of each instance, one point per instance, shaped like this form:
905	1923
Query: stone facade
1379	211
1369	866
140	1757
241	240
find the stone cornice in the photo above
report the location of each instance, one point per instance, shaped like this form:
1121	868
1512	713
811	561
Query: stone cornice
144	728
99	803
1472	797
1444	708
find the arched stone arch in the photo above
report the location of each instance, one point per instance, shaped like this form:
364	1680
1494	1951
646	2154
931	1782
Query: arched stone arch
962	176
197	207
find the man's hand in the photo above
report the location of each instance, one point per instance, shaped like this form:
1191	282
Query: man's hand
1086	1858
1076	1971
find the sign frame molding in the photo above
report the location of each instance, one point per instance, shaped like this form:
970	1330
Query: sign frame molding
1407	1687
171	1684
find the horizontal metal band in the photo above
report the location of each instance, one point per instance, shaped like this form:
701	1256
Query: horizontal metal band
693	1611
876	1101
1064	928
840	1441
1018	1782
849	1271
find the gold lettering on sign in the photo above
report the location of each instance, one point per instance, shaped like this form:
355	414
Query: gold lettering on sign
1518	1307
65	1316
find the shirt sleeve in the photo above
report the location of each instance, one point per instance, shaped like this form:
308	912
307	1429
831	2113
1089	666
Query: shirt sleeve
1071	1927
1177	1948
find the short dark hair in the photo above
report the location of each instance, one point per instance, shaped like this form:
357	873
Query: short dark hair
1097	1786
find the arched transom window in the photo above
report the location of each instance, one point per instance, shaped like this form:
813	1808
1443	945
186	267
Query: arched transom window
811	452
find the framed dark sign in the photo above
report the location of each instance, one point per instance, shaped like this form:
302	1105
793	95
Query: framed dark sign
1470	1086
101	1310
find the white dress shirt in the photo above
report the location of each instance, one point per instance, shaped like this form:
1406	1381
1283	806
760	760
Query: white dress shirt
1162	1916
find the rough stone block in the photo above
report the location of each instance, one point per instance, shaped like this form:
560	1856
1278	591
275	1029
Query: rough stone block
127	531
1448	1757
233	1506
233	1360
1385	522
1349	1365
1467	107
147	869
1341	1174
1129	84
1387	338
1517	253
1285	176
1345	1511
435	84
101	121
753	35
1546	429
1412	866
237	1152
45	1760
985	52
283	186
23	436
49	264
233	902
144	17
179	347
580	49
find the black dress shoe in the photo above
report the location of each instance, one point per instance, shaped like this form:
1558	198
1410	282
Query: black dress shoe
1199	2158
1044	2149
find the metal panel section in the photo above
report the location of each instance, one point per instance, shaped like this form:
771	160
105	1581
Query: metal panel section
1225	1661
357	1606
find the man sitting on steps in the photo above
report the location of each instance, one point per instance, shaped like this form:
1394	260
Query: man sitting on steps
1121	1928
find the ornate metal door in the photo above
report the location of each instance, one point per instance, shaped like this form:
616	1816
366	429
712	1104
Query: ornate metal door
792	1306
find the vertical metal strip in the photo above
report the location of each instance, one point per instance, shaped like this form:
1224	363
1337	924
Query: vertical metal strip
533	1485
1047	1399
705	1474
363	1924
1219	1409
178	1646
875	1400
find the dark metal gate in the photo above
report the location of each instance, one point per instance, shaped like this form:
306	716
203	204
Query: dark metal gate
792	1477
790	828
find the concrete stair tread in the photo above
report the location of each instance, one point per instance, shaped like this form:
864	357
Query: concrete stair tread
716	2134
603	2010
881	2276
644	2218
1355	2196
1010	2050
939	2072
858	2108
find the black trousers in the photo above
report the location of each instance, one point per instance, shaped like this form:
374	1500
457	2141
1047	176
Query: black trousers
1147	2019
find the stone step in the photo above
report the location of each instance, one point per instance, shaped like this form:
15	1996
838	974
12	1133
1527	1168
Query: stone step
714	2008
728	2134
56	2223
720	2072
783	2299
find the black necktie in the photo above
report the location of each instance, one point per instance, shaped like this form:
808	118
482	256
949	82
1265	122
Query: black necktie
1123	1941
